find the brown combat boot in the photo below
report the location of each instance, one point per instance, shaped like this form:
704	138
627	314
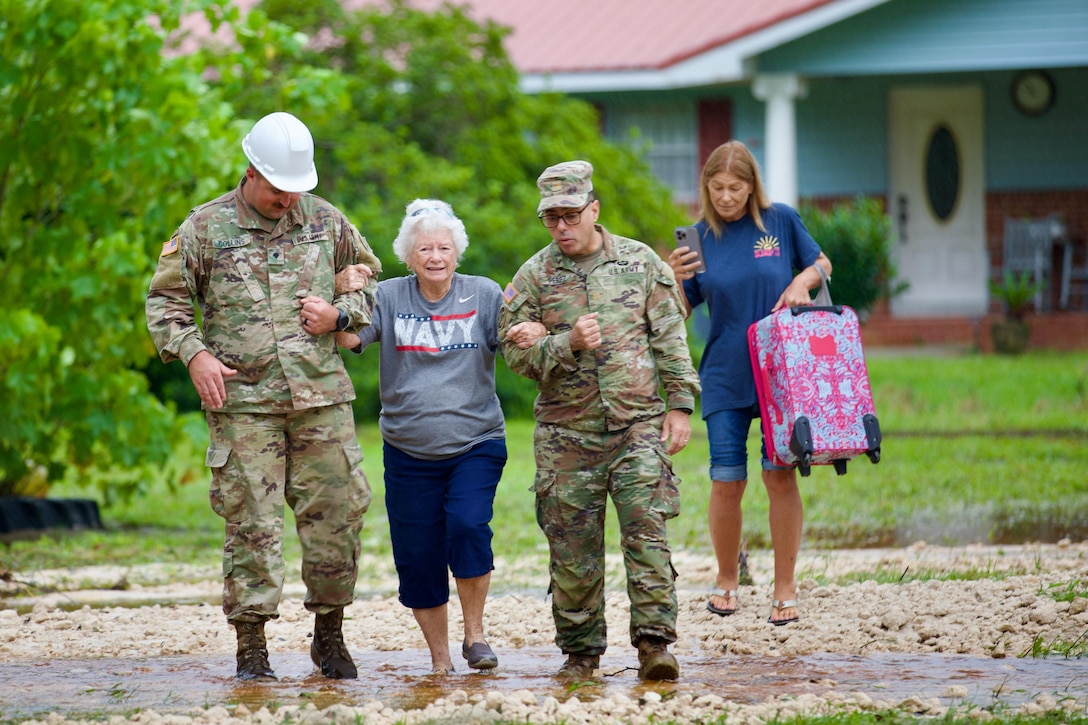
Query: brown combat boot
328	650
654	660
252	653
579	667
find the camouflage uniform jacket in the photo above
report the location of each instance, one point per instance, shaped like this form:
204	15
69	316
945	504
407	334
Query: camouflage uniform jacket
644	342
248	284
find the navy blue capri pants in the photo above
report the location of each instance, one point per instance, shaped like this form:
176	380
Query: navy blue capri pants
440	518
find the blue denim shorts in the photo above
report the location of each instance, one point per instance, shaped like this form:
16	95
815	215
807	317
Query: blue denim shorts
727	431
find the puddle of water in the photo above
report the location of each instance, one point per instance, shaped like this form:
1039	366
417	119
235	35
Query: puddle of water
400	680
981	524
970	525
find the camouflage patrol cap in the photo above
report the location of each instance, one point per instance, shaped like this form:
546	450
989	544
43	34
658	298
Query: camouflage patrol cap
565	185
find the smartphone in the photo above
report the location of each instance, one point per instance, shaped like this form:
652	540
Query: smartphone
689	237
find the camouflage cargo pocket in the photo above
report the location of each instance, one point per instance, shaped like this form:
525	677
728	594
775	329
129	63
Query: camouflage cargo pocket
227	493
667	495
547	503
359	496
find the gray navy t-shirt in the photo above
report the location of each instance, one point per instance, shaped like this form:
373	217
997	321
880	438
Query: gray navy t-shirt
437	375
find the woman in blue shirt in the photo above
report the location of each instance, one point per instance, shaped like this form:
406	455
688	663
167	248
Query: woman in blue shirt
752	250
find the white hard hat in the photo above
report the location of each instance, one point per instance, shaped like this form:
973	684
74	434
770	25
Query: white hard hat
281	148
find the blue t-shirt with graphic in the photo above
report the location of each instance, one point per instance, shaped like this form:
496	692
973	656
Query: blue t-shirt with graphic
746	272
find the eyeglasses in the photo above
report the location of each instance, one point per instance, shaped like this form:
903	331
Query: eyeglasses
570	218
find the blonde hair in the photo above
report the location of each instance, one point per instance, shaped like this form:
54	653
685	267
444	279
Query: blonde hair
428	215
735	158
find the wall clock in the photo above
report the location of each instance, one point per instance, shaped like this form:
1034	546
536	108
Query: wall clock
1033	92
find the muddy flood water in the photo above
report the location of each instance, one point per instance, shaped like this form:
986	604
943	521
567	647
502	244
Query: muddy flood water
921	629
177	684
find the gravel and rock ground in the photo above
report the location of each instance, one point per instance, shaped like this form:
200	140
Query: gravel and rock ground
925	630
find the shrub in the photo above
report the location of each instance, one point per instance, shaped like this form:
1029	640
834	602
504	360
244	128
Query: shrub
855	236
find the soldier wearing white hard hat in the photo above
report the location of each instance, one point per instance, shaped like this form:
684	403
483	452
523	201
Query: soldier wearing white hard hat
259	262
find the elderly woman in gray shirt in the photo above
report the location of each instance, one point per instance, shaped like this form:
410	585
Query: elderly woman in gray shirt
442	425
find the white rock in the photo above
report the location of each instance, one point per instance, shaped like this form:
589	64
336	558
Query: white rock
955	691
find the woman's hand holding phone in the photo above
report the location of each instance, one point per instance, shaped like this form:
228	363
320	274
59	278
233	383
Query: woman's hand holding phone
687	259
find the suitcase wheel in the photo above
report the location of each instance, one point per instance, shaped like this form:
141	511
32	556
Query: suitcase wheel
874	455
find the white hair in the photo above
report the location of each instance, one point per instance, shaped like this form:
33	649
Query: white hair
428	215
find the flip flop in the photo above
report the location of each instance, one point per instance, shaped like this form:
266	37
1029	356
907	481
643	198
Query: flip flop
780	605
724	594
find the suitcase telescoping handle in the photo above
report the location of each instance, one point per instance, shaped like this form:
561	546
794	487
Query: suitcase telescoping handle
823	298
837	309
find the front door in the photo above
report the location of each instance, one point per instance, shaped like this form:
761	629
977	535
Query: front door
936	200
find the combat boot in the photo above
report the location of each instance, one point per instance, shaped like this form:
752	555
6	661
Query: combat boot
579	666
252	652
654	660
328	650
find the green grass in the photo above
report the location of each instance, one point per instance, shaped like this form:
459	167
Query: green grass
881	575
976	448
1040	648
1067	592
1045	391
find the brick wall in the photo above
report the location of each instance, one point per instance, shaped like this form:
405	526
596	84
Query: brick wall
1053	331
1071	205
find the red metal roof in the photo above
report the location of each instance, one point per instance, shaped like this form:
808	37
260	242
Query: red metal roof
571	36
565	36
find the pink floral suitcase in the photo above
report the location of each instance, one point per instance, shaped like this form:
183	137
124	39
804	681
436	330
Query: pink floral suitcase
813	387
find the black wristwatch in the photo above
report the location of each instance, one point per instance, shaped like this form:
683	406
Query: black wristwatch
342	321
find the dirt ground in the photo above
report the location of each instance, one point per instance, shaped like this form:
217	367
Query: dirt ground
943	609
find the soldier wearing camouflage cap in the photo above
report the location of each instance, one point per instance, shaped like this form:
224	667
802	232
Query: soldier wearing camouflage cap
565	186
616	336
259	262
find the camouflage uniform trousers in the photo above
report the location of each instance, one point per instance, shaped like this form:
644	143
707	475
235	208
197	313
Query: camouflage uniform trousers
309	459
576	473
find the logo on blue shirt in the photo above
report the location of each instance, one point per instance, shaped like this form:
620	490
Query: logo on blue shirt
767	246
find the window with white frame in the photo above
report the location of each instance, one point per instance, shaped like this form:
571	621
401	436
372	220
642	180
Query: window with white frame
667	135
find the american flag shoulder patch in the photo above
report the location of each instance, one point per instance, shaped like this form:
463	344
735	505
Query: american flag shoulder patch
509	293
169	247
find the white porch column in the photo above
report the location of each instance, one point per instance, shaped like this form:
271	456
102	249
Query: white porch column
778	91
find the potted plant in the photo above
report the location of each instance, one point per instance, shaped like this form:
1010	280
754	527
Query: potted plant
1016	292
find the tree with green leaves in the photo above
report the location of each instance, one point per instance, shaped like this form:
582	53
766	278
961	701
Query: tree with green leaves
112	135
107	141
